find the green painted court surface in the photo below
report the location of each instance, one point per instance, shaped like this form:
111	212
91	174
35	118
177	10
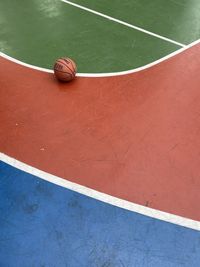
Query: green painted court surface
37	32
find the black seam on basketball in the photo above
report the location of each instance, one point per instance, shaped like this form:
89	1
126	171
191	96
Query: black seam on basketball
73	64
67	59
66	66
63	72
61	62
58	66
69	62
64	63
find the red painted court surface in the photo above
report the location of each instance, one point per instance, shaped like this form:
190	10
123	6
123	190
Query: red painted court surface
134	136
103	171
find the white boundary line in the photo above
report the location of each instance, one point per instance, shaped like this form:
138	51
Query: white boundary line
123	23
164	216
109	74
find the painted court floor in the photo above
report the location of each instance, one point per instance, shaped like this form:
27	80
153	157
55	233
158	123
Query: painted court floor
103	171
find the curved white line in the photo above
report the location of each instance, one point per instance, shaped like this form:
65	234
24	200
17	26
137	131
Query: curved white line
109	74
164	216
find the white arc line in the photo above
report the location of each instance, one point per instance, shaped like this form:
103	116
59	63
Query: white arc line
124	204
124	23
106	74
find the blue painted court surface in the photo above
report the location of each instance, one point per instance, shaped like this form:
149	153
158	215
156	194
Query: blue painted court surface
43	224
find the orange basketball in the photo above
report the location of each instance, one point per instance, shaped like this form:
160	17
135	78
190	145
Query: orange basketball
65	69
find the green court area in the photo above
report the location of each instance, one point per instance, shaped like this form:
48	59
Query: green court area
37	32
176	19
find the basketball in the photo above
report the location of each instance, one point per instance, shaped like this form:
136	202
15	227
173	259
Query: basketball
65	69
